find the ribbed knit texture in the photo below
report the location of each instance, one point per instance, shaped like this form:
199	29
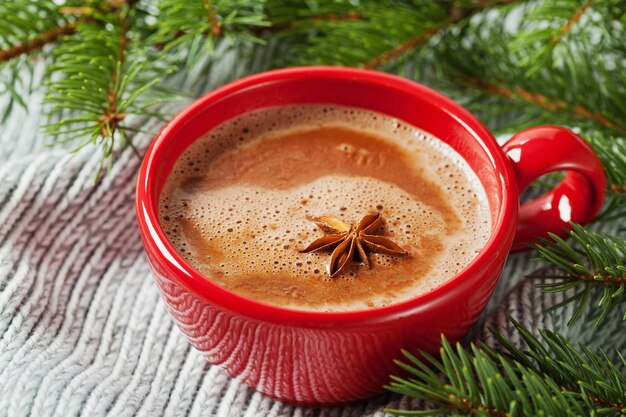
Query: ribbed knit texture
82	328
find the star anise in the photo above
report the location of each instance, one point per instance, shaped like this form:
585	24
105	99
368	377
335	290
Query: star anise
345	240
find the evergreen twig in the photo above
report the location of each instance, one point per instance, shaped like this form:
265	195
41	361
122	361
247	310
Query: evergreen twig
542	41
573	49
30	45
191	29
101	77
369	33
612	152
576	112
26	27
590	263
551	378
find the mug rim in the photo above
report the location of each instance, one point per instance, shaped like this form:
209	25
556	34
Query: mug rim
157	244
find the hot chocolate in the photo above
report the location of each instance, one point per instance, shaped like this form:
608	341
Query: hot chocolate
243	204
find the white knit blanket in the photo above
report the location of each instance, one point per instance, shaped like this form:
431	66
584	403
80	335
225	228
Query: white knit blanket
82	328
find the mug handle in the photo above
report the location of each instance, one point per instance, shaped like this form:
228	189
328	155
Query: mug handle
577	198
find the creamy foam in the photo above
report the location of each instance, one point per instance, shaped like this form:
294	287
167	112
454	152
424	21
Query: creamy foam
238	203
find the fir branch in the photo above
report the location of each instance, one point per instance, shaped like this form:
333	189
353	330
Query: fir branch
111	118
406	46
612	153
369	33
550	378
101	75
38	42
548	26
591	375
479	62
571	21
26	27
589	264
577	112
191	29
457	13
279	25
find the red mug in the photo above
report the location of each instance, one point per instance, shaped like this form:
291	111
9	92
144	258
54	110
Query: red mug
309	357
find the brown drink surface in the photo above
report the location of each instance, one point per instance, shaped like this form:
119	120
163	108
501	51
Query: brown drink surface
238	206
